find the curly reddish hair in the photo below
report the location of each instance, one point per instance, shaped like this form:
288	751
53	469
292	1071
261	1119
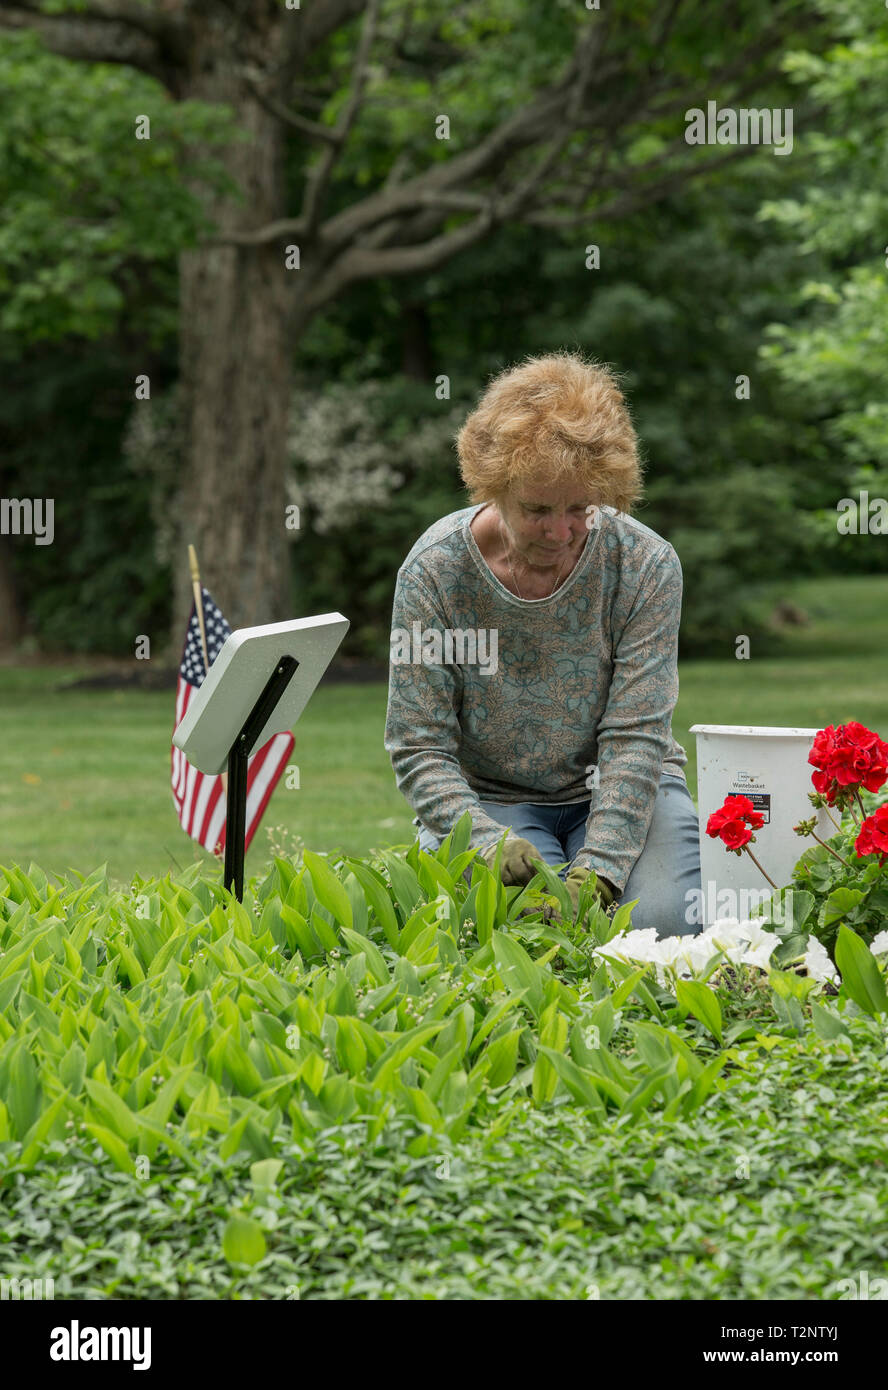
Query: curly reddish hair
552	418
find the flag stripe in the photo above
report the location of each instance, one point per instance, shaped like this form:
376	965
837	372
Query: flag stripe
274	758
189	796
216	795
199	798
181	700
204	791
216	833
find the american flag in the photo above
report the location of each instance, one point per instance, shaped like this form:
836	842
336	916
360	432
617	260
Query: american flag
199	798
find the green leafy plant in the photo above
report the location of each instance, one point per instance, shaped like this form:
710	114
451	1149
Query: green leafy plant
313	1093
157	1021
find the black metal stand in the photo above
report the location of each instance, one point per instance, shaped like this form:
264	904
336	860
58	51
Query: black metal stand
236	808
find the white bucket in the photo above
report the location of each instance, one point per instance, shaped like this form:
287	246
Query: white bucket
770	766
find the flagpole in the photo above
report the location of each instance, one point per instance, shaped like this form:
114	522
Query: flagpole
198	604
199	609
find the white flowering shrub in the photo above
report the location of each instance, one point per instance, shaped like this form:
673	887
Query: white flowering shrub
348	450
370	466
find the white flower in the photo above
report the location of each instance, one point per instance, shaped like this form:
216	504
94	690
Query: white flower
758	936
879	944
635	948
669	951
728	930
641	941
733	933
760	954
668	954
817	962
743	943
734	954
698	951
634	945
688	957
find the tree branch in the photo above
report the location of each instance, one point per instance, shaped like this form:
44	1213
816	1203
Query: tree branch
678	101
399	164
633	201
400	199
558	112
668	21
525	127
260	236
118	32
313	129
361	263
675	98
557	106
159	24
318	178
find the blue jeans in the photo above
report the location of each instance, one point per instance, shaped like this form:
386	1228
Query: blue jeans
665	878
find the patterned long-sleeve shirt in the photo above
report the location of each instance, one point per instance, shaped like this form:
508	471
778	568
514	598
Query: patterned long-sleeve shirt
555	701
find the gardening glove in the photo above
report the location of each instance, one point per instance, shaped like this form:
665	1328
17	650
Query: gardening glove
604	891
515	866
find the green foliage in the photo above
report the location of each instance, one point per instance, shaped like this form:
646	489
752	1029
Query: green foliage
172	1017
102	559
861	978
827	891
716	525
86	205
243	1241
836	352
285	1089
700	1000
767	1194
679	338
159	1018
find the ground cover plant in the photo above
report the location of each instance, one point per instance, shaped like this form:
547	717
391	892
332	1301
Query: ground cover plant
376	1079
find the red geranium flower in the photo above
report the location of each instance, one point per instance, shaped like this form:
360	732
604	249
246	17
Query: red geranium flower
872	838
734	822
848	757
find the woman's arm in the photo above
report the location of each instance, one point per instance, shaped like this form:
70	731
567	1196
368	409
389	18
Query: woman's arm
422	732
634	731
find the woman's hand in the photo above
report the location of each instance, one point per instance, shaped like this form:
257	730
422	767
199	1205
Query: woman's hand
604	891
516	865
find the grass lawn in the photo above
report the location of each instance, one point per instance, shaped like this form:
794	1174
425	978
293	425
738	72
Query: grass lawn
86	773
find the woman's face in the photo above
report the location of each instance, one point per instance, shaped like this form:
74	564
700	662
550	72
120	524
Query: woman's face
545	523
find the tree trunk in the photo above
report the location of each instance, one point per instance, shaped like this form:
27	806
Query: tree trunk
234	366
